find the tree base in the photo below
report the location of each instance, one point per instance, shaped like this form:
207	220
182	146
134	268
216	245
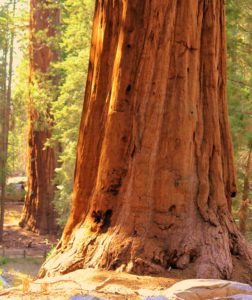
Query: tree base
213	254
31	225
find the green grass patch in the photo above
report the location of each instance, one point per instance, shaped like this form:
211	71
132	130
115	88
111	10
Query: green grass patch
4	260
50	251
30	260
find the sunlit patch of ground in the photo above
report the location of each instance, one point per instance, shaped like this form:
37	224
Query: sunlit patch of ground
17	239
112	285
16	270
12	214
105	284
22	252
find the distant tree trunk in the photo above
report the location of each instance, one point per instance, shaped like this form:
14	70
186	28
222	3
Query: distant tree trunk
154	174
38	214
245	194
6	119
3	156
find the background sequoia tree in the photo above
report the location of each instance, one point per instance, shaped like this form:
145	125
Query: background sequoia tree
38	212
154	174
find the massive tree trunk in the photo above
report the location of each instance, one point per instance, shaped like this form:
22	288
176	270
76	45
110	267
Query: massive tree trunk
38	214
154	174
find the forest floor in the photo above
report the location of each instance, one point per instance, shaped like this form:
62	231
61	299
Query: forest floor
111	285
17	238
103	284
22	252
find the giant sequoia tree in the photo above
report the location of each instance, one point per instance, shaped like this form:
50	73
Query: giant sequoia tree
38	212
154	174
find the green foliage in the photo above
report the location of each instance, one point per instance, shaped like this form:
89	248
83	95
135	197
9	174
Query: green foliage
75	45
60	91
7	13
239	41
3	260
239	37
18	121
9	24
50	252
42	93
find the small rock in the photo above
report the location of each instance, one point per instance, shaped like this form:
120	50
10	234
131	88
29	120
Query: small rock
194	289
235	297
4	282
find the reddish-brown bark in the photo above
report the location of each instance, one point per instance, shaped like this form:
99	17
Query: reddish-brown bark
154	175
38	214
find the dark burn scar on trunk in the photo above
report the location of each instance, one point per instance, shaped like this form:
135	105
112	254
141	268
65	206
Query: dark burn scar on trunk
102	218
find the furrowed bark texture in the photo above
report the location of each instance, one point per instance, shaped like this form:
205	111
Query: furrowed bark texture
154	174
38	214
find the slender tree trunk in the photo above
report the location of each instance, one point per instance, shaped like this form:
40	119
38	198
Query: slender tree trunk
245	195
3	140
6	118
38	214
154	174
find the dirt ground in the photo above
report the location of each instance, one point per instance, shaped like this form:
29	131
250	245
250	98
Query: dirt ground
109	285
16	270
104	284
22	252
17	239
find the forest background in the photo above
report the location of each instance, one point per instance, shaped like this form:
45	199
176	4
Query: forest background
65	97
